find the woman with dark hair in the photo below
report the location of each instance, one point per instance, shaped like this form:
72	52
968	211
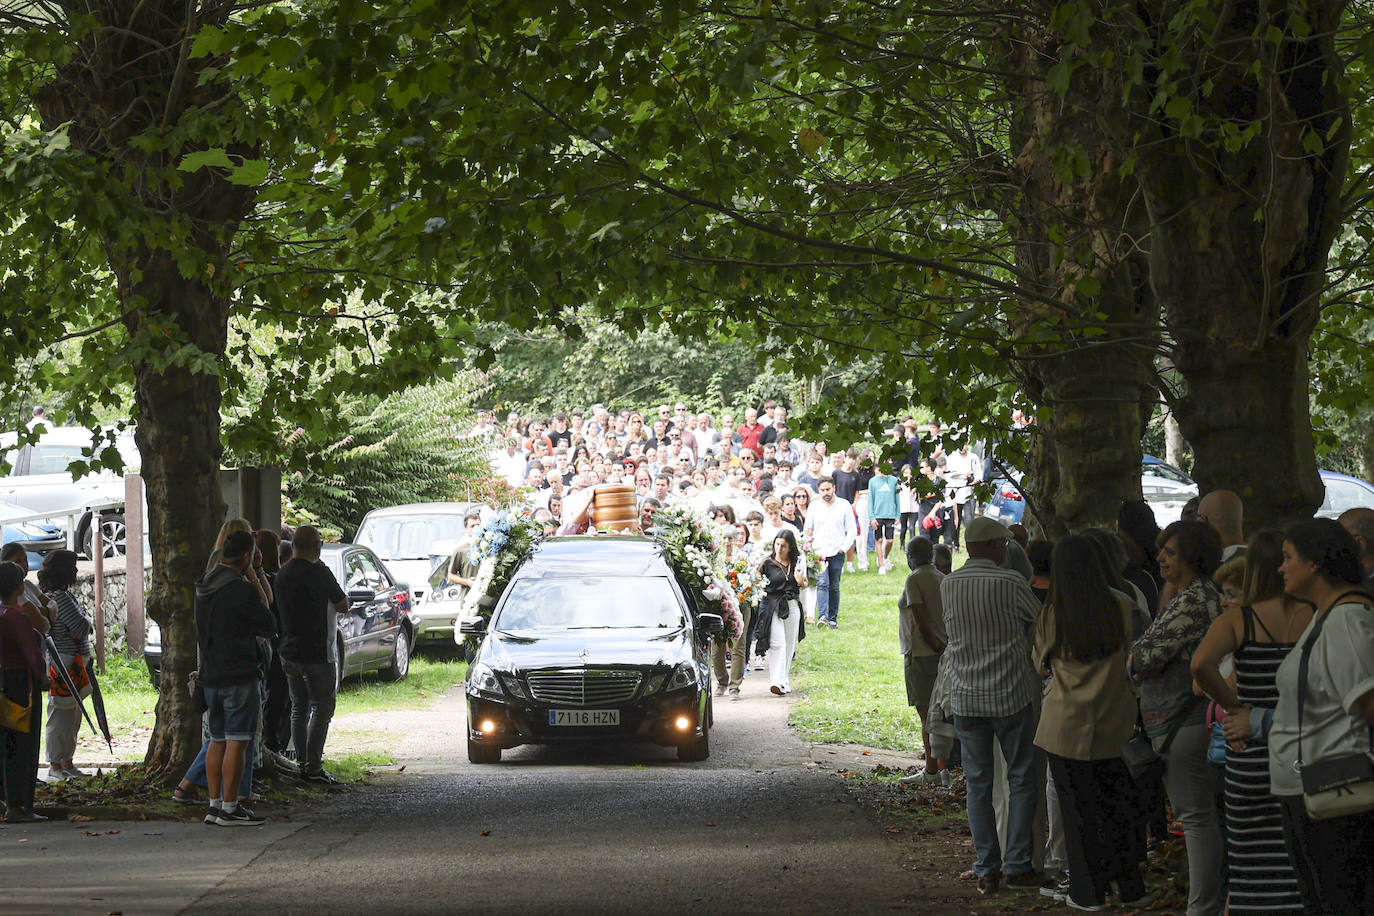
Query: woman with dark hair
1259	631
1331	857
1089	712
1135	522
779	626
24	678
801	502
71	633
1173	716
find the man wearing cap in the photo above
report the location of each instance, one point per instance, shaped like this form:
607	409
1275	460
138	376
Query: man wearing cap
989	615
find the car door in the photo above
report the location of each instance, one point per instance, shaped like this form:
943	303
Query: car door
377	618
352	623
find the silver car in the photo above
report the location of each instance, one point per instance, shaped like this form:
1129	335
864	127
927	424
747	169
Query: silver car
414	541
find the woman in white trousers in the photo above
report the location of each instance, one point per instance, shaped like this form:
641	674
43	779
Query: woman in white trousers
780	617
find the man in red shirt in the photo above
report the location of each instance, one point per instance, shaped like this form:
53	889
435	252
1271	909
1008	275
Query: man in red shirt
750	431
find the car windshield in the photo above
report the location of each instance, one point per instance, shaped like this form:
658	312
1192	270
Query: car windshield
409	537
600	602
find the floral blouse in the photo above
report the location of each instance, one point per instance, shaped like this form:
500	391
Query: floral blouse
1163	655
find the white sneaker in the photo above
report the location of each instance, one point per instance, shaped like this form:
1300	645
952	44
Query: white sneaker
57	774
73	773
863	567
882	570
849	567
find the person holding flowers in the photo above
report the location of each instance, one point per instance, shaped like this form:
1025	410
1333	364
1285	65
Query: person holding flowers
747	585
779	627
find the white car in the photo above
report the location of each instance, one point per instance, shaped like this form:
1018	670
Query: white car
414	540
40	479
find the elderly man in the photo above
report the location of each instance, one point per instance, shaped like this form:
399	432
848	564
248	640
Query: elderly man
1360	524
989	615
1224	511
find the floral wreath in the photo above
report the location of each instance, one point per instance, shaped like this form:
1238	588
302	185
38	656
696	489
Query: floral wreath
691	544
498	548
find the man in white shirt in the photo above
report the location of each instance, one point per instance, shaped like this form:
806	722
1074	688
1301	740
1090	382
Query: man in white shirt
963	469
830	528
508	462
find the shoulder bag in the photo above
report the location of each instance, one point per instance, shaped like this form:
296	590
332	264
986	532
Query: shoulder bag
1344	783
1139	753
14	716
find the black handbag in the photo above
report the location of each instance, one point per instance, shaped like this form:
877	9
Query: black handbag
1340	785
1139	754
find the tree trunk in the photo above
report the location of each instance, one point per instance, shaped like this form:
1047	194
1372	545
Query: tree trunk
178	438
1238	246
1093	377
1173	439
165	235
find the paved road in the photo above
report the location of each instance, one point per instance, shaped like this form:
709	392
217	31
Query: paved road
757	828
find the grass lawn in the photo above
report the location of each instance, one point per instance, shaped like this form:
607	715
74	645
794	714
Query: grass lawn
850	680
432	673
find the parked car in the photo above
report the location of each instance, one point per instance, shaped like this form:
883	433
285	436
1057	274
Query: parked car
592	639
1344	492
40	480
415	541
375	634
39	538
1164	487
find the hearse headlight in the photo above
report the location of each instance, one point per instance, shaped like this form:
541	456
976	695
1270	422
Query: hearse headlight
484	680
684	675
512	683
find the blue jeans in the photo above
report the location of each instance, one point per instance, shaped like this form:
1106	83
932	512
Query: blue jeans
828	589
1016	734
196	774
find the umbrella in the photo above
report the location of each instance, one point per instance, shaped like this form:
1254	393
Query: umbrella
66	678
98	704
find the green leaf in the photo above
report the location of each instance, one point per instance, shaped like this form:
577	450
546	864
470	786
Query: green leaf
213	158
251	172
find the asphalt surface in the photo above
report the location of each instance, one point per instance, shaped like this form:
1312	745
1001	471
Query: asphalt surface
759	827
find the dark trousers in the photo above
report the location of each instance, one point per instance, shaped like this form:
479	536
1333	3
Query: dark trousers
312	709
1097	804
911	526
1331	858
276	712
20	749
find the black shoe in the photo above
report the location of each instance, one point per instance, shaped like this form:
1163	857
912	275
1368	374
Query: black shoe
1056	888
989	884
239	817
212	815
320	778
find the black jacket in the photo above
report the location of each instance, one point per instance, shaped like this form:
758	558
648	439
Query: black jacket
230	616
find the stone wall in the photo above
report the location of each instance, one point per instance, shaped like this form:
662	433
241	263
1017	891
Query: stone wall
116	605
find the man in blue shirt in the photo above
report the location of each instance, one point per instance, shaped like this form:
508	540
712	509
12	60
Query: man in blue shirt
883	512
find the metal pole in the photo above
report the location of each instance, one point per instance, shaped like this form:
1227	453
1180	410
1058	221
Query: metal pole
98	549
134	565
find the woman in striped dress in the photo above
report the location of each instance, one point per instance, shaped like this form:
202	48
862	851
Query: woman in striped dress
1258	629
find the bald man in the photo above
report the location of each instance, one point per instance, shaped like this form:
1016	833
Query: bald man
1360	524
1223	510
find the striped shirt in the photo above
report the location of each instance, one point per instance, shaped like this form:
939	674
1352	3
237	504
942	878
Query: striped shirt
989	616
72	631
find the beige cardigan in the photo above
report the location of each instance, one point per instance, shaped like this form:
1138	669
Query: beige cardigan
1090	708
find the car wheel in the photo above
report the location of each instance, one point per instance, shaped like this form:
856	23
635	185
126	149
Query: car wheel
481	753
400	658
113	536
696	748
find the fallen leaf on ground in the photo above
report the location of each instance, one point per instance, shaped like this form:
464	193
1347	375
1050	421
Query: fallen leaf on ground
79	818
486	833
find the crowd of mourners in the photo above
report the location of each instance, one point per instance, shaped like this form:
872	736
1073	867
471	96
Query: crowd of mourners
1118	687
265	685
1120	669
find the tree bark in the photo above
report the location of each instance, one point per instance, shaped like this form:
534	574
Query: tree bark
1093	376
166	235
1238	247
